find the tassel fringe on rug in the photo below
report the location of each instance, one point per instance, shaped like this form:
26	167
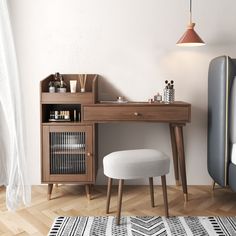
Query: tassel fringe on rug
142	226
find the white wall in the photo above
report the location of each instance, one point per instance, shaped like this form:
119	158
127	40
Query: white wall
131	43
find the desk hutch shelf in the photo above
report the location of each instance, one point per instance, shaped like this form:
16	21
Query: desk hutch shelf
68	146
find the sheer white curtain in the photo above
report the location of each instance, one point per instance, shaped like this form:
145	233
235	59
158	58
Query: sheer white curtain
13	167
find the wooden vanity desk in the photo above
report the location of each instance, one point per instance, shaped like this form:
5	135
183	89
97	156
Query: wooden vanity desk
69	145
176	114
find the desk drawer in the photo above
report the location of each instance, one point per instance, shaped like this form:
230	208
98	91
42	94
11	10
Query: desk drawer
162	113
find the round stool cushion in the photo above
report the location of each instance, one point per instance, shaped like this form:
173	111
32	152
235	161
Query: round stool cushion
135	164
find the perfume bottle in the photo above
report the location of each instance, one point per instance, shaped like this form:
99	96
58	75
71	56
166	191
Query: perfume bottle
56	81
158	98
62	88
56	115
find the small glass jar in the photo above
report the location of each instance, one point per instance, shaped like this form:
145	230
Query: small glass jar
52	89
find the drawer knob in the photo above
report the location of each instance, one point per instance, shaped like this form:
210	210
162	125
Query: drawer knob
89	154
136	113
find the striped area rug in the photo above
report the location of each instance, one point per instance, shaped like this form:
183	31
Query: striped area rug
142	226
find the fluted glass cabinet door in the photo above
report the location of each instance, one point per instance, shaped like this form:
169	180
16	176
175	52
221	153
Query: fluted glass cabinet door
67	153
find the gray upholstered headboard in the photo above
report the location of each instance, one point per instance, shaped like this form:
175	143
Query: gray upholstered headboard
222	71
232	136
232	117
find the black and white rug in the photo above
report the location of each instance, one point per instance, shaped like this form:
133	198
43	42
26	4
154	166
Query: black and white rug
143	225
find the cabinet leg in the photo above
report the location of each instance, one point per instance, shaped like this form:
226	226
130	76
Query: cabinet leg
181	156
174	154
88	191
50	187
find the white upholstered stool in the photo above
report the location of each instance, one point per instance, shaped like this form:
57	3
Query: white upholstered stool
135	164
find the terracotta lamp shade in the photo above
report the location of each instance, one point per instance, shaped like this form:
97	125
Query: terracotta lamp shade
190	38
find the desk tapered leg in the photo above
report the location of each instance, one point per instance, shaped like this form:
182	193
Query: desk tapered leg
174	154
181	157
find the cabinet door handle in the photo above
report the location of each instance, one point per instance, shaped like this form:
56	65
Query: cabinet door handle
136	114
89	154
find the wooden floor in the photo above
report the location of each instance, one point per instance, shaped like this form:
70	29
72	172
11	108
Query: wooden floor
71	201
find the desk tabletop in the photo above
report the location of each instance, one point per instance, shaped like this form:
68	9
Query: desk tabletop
115	103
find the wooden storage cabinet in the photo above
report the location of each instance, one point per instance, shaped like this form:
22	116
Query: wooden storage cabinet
67	154
68	147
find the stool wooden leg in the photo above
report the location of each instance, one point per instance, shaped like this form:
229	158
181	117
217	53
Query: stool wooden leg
120	192
163	181
151	191
108	194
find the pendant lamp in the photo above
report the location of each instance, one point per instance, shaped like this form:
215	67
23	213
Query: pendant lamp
190	37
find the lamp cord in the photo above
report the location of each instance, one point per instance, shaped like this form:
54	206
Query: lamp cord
190	10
